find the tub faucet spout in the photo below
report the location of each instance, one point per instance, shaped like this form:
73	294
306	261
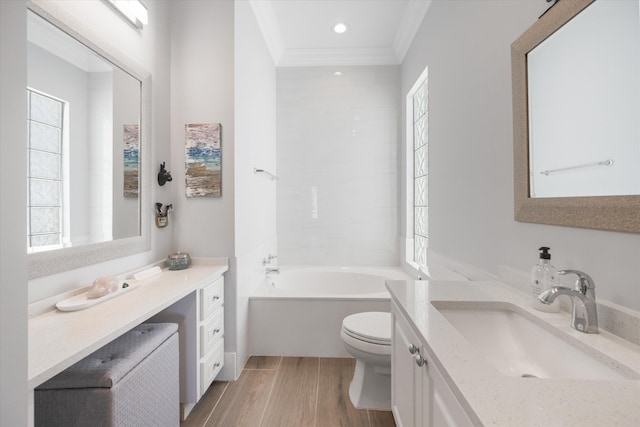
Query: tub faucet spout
270	270
584	316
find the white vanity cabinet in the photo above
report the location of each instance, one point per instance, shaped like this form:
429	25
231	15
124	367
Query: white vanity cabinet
419	394
406	375
193	298
200	317
211	356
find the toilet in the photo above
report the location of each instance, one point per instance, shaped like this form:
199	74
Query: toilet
367	337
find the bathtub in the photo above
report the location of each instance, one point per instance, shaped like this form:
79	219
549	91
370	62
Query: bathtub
299	312
330	282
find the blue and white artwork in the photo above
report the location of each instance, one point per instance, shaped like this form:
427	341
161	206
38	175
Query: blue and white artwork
131	139
203	166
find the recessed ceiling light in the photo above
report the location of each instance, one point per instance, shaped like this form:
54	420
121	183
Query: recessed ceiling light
340	28
337	73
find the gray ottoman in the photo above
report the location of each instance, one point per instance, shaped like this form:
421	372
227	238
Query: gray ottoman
132	381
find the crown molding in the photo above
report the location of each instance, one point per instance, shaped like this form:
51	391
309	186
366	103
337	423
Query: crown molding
282	57
346	56
268	23
413	17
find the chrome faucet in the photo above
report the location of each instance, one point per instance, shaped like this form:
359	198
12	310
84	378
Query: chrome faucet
269	270
584	317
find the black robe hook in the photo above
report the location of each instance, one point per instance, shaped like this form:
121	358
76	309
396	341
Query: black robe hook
164	175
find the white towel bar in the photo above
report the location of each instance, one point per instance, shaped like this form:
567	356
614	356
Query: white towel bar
602	163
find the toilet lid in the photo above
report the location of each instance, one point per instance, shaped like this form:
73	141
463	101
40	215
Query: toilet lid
370	326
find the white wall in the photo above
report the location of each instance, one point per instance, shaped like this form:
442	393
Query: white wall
221	71
202	91
337	162
255	147
467	48
13	199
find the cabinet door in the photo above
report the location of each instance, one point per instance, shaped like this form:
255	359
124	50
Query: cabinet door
405	378
447	410
428	415
420	396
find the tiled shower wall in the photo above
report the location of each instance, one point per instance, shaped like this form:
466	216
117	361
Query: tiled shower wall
337	154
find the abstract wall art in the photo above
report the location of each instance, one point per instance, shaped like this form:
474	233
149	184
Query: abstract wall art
203	166
131	142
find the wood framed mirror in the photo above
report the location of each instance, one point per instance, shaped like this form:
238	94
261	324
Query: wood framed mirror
611	209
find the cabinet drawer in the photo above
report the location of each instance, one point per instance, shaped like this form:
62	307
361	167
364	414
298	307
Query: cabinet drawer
211	331
211	298
211	365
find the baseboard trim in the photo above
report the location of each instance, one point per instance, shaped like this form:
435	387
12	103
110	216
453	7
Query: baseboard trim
229	371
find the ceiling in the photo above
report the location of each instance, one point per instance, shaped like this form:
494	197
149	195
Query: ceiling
300	32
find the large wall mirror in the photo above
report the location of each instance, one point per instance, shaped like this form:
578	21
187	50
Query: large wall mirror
576	110
87	138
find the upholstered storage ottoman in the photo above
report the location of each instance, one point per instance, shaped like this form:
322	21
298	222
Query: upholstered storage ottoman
132	381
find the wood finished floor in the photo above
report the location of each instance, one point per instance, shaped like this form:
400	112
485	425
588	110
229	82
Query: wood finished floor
286	392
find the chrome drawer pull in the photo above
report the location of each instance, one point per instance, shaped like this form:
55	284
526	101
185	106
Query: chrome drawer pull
420	360
413	349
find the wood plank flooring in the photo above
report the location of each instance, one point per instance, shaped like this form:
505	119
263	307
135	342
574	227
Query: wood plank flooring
286	392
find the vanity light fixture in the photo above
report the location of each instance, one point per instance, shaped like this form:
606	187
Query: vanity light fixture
133	10
340	28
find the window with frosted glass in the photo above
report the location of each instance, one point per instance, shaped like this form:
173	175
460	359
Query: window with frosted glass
44	170
420	174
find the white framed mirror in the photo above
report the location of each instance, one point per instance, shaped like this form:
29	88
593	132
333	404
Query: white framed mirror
576	100
88	127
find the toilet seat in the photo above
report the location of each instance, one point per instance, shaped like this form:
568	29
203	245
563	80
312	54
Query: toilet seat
370	327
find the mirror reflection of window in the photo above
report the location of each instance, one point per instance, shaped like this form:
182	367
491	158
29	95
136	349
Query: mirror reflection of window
45	154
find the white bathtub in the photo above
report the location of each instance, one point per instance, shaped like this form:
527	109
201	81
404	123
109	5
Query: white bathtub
299	312
330	282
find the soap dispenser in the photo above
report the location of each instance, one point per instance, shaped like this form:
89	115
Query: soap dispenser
543	277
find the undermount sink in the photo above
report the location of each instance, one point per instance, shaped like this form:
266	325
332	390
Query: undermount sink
518	344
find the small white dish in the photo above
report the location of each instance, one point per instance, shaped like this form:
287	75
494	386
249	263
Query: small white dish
82	301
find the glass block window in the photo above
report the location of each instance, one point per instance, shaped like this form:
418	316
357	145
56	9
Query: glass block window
44	171
420	173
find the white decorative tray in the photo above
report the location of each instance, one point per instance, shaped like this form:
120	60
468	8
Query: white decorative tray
82	301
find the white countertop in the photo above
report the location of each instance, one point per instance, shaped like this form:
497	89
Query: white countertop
58	339
494	399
